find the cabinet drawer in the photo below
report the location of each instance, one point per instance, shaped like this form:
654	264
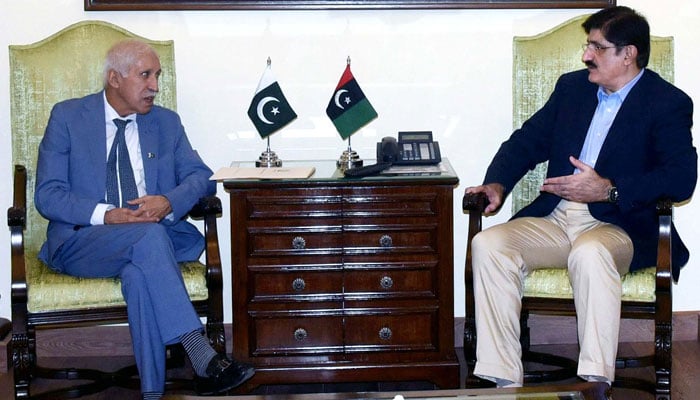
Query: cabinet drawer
300	285
391	239
405	331
297	335
391	202
281	241
390	283
294	203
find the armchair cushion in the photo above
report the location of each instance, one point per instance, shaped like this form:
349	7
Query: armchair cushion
51	291
554	283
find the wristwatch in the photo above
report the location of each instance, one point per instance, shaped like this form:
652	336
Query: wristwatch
613	196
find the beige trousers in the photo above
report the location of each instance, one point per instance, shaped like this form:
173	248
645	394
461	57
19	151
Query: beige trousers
596	255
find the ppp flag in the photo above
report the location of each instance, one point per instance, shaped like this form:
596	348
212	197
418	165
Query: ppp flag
348	108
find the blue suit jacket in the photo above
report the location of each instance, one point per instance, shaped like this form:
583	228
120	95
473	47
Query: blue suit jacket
71	168
648	153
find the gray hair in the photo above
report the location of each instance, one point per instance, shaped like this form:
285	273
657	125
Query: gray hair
123	55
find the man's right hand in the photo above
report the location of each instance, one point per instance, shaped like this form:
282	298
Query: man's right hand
126	215
493	191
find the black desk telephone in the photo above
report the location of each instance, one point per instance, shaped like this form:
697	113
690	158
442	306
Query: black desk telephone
412	148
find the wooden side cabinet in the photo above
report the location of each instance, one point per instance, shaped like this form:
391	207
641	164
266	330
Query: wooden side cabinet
344	280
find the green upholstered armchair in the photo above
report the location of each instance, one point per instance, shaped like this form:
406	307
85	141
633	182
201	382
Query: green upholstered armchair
65	65
537	63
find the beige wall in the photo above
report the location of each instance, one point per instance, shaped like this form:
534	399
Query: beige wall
448	71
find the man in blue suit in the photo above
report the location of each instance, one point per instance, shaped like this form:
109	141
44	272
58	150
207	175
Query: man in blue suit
617	138
125	217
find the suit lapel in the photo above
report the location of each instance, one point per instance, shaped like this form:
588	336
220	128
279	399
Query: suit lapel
582	115
92	128
622	130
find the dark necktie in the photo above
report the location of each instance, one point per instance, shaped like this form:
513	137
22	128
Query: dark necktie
119	155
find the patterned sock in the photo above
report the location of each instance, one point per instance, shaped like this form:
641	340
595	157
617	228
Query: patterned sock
198	350
152	396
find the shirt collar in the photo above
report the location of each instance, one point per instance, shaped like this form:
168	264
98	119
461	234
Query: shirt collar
111	113
623	92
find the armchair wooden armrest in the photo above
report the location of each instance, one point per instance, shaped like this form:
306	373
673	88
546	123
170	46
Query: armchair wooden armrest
474	204
17	221
207	206
209	209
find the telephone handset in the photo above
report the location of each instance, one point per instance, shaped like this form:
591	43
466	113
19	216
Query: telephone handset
412	148
387	150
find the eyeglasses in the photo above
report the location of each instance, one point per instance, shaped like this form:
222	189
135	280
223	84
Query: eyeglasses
596	47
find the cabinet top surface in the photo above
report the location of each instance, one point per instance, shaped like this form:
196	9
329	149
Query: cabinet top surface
326	172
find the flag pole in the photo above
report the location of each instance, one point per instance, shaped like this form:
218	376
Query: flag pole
268	158
349	158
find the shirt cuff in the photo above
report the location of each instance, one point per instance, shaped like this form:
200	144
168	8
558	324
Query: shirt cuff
98	214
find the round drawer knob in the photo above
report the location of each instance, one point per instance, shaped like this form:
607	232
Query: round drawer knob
386	282
385	333
386	241
300	334
298	285
298	243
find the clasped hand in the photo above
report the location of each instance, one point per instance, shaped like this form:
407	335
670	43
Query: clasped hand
150	209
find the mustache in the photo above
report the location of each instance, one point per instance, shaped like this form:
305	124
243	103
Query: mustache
590	64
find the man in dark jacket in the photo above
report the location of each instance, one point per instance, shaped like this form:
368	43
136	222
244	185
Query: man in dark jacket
617	137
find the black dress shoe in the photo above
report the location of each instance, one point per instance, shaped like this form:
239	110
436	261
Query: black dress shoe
223	375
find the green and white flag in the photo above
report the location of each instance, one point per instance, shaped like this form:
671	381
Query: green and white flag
269	109
348	108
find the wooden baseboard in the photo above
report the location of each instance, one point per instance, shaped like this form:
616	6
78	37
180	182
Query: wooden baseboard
546	329
114	340
4	341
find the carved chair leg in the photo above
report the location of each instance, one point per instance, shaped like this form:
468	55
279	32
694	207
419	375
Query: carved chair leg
22	361
662	360
470	340
524	331
216	334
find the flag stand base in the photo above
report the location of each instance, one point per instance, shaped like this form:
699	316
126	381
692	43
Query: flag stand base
349	159
268	159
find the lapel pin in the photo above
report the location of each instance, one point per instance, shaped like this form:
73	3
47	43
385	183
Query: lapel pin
151	155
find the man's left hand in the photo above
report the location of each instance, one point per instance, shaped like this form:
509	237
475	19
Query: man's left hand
152	206
584	187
